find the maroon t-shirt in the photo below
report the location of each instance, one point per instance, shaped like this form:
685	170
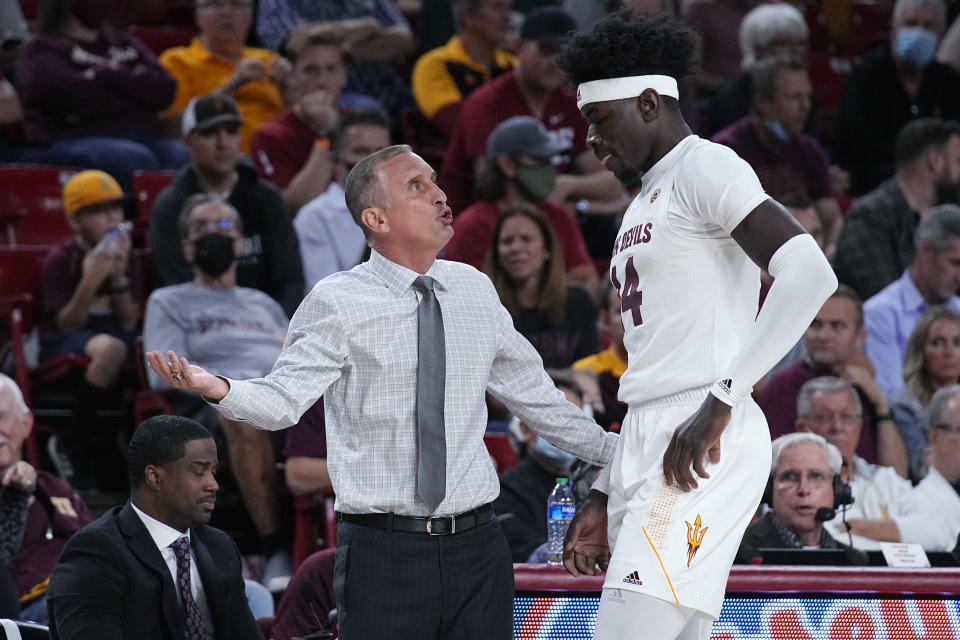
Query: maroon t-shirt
798	166
779	403
281	147
308	438
473	234
487	107
62	269
57	507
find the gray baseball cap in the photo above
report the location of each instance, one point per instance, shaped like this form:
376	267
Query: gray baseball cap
522	134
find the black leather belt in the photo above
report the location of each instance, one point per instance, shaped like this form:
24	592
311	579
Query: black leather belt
438	526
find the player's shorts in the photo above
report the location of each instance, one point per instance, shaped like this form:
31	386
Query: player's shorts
677	546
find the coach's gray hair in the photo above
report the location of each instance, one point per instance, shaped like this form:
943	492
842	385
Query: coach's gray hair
781	444
364	187
761	25
939	402
199	199
825	383
902	6
19	406
938	227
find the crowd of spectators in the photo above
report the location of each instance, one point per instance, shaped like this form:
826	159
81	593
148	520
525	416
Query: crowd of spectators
267	109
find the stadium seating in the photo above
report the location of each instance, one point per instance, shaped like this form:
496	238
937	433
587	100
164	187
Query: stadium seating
31	210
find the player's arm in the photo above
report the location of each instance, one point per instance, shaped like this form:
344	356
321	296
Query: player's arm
803	280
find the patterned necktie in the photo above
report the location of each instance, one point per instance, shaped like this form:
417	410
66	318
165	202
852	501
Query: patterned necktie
196	629
431	376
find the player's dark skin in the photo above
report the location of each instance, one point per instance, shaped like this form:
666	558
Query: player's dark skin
629	136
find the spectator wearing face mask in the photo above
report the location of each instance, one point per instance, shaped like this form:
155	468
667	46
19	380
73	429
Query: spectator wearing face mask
233	331
524	489
771	138
891	86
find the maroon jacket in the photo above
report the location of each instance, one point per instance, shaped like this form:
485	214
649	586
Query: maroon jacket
55	508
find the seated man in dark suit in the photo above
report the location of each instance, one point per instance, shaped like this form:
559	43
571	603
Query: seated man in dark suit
152	568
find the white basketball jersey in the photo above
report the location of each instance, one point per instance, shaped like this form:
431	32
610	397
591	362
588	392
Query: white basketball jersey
689	294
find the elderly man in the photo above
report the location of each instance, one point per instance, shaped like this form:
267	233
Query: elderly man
38	511
932	279
883	500
767	30
403	347
891	86
230	330
801	495
876	240
936	495
834	347
270	258
772	140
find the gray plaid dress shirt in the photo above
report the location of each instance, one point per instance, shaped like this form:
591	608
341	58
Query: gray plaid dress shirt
354	341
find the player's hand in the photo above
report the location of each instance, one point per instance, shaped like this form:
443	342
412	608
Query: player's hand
21	475
696	439
180	374
585	547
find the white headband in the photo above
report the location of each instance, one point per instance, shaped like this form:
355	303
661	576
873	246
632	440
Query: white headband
629	87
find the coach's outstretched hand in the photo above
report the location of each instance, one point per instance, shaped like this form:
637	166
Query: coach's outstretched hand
180	374
586	548
693	441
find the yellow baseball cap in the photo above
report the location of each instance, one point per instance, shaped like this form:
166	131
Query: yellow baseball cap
90	187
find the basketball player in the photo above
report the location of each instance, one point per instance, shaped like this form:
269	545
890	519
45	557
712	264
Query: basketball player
694	452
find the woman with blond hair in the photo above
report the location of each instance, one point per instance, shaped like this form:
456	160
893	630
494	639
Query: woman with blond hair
931	362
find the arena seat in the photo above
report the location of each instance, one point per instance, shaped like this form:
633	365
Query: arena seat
20	630
147	185
315	525
31	211
500	449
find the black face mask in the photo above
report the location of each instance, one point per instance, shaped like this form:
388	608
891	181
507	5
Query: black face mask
213	254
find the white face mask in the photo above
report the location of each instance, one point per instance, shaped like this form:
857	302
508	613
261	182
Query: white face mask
559	459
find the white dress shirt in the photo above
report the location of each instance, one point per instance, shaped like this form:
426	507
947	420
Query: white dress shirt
937	505
330	240
164	535
354	341
879	493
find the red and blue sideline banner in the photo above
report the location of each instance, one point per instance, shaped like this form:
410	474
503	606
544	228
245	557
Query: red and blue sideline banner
563	617
768	603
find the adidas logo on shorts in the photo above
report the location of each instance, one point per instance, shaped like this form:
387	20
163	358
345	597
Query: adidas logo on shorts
633	578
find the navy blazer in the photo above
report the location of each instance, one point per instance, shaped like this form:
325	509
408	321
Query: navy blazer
111	582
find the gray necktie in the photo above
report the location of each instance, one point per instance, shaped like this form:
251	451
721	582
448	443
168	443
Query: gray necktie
431	378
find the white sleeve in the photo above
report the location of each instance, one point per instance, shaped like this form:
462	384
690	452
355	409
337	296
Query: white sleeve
719	187
803	280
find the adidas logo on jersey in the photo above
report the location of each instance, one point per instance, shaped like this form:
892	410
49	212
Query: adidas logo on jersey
633	578
726	385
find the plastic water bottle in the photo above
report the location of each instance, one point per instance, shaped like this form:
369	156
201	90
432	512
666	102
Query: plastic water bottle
560	510
113	239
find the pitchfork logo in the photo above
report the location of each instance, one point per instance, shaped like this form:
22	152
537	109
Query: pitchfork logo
694	538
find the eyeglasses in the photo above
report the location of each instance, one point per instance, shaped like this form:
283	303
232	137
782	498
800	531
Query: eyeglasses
224	4
955	430
827	418
199	226
791	478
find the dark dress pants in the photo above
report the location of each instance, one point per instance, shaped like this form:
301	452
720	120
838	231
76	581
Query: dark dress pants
400	586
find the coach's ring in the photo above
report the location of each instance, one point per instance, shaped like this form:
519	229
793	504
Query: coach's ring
177	376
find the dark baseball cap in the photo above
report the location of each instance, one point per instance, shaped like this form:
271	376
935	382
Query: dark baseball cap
208	111
522	134
548	25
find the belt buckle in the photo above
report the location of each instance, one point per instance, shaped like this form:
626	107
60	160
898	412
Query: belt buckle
453	526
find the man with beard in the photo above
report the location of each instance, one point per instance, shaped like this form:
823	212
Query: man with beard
153	568
932	279
876	240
